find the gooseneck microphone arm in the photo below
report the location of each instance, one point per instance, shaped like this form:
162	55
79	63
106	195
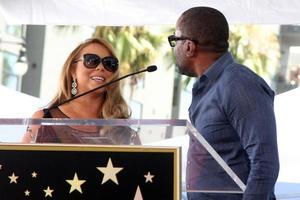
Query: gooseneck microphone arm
151	68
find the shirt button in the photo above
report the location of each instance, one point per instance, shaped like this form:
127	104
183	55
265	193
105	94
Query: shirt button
188	162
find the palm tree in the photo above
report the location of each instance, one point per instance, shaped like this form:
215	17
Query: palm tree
256	47
136	47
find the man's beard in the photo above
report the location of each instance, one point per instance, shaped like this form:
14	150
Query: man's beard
185	70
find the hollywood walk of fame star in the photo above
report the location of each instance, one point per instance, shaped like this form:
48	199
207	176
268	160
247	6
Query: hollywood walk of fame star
27	193
110	172
149	177
75	184
138	194
34	174
48	192
13	178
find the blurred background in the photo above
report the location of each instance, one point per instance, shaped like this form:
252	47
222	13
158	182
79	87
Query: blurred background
32	56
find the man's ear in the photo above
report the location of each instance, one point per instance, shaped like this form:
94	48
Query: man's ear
189	48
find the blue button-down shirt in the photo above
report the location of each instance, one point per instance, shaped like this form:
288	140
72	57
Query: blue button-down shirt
232	108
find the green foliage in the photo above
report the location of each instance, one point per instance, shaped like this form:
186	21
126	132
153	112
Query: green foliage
136	47
257	47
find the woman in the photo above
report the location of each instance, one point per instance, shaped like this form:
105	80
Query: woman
91	64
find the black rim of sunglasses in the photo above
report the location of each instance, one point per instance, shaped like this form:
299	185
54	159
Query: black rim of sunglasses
173	38
110	63
221	47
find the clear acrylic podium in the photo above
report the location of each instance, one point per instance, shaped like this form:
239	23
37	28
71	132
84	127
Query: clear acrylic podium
132	159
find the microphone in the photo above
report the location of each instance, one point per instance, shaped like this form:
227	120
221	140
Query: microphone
150	68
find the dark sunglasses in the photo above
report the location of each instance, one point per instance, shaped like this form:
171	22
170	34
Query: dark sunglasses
173	40
91	61
218	47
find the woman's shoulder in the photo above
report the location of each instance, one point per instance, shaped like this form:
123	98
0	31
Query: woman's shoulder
38	114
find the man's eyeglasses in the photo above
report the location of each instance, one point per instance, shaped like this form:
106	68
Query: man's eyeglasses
91	61
173	40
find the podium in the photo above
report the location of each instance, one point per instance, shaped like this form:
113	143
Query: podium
108	159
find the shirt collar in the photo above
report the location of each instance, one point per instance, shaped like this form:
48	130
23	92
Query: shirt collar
213	72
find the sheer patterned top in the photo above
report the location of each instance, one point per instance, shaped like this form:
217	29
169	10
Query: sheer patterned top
84	134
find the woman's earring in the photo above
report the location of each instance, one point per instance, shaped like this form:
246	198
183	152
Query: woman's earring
74	87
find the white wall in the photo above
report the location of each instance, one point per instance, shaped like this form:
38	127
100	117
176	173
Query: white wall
15	104
58	45
157	94
287	110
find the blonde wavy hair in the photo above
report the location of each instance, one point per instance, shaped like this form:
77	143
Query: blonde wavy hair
114	105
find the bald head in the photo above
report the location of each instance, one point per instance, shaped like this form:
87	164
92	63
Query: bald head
206	25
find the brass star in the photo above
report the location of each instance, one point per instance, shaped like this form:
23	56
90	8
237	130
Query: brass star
148	177
75	184
13	178
27	193
110	172
33	174
48	192
138	194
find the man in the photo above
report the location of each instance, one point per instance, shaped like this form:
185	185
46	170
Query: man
231	107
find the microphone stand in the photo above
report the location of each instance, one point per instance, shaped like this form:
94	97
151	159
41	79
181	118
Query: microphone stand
149	69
